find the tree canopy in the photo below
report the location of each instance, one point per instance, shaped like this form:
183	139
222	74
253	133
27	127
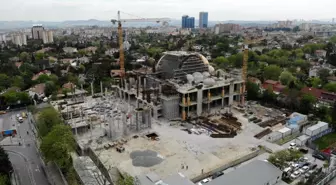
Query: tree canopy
286	77
47	118
272	72
57	145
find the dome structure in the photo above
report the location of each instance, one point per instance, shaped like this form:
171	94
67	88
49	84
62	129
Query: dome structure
209	82
198	77
190	78
206	74
175	64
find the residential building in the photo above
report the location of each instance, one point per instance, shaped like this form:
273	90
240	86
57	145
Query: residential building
323	97
44	72
3	38
37	32
203	19
188	22
321	53
256	172
47	37
70	50
275	86
227	28
37	90
19	39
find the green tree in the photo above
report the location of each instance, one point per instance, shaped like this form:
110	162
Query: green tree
50	88
253	91
286	77
126	180
6	166
42	78
272	72
324	74
222	62
4	180
39	56
331	87
307	103
24	56
4	81
281	158
316	82
47	118
18	81
268	96
57	145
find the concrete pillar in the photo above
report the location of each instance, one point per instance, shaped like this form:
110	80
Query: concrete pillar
91	88
183	107
223	95
125	88
199	102
188	104
231	90
101	87
209	100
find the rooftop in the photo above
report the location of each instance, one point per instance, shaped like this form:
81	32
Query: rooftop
255	173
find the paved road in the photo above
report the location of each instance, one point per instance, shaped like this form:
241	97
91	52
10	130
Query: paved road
25	158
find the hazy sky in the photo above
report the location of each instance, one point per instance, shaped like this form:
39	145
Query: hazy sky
58	10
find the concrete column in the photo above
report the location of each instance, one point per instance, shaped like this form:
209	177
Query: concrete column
223	95
188	104
183	107
91	88
199	102
231	94
101	88
209	100
125	88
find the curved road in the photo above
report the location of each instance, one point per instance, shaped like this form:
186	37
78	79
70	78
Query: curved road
25	157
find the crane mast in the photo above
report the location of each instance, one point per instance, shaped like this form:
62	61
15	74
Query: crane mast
244	73
121	47
120	36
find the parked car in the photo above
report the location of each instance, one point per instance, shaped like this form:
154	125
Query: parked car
20	119
295	166
313	166
303	150
3	112
295	175
217	174
304	169
204	181
292	146
319	156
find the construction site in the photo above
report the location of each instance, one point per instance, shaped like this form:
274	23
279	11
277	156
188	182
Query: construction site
181	116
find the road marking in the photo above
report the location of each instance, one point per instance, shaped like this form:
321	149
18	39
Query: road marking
30	173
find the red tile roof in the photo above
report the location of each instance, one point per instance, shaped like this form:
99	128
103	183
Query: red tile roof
313	91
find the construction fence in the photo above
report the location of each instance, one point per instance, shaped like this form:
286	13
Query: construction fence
328	178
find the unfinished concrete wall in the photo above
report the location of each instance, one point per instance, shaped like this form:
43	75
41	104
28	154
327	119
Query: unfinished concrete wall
170	106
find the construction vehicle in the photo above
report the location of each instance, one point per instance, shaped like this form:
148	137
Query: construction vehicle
120	35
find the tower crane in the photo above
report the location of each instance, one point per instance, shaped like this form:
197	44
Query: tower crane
120	35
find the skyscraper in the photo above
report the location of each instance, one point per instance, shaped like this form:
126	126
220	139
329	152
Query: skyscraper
191	22
203	20
37	32
188	22
184	21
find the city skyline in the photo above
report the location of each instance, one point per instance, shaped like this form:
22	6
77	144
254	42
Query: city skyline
60	10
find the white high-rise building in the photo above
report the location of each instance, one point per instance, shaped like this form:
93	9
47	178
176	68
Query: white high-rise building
3	38
19	39
44	37
24	39
50	35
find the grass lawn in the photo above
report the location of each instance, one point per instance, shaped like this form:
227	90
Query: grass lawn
326	141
